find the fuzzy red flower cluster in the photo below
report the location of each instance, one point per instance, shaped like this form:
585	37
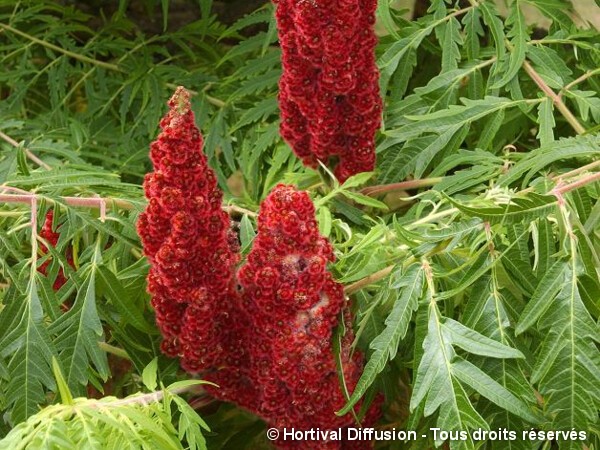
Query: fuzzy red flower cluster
266	343
186	237
52	237
328	92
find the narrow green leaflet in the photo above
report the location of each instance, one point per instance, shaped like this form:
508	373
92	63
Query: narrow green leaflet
385	345
518	209
455	115
247	233
357	180
441	372
447	142
364	200
491	128
543	297
259	112
546	122
29	349
489	388
518	39
8	166
544	246
567	368
586	146
588	103
149	374
450	42
325	221
487	313
385	15
473	32
394	54
114	291
551	67
66	178
476	343
78	332
492	20
397	163
437	388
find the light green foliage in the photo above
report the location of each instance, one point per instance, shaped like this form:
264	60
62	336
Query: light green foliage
474	281
140	421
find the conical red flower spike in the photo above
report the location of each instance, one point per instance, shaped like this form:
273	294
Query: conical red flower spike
329	92
185	235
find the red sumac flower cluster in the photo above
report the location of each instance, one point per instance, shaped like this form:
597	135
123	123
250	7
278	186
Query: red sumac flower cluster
328	92
263	334
293	305
185	235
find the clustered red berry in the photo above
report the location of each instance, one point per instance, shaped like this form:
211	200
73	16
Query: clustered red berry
186	237
293	306
52	237
328	92
266	343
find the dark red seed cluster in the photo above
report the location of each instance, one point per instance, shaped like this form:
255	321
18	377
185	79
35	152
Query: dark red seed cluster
293	306
328	92
267	345
186	237
52	237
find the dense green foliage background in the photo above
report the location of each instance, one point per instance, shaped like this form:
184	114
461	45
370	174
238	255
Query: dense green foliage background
471	254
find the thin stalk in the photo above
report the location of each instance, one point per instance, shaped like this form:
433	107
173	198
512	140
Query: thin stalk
560	105
97	202
373	278
577	171
404	185
564	188
34	235
93	202
233	208
56	48
432	217
28	152
145	399
582	78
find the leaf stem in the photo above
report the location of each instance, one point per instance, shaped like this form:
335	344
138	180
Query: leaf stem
145	399
374	277
56	48
432	217
562	189
95	202
582	78
577	171
410	184
92	202
34	236
234	208
28	152
560	105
